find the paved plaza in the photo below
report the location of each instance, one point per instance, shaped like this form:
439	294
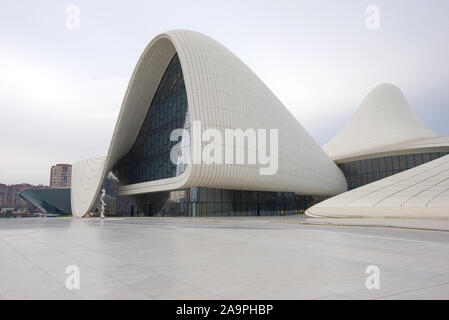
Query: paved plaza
223	258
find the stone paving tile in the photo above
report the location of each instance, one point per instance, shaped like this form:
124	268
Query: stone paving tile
117	291
437	292
267	258
59	293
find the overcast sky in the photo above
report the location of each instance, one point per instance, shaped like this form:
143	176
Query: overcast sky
61	88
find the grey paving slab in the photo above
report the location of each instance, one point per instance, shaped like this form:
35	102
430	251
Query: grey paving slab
231	258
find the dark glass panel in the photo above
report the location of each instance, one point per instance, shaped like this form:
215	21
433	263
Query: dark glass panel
403	162
381	164
217	195
203	195
388	164
225	195
418	159
357	167
396	163
210	195
225	209
363	179
210	207
369	165
362	166
410	161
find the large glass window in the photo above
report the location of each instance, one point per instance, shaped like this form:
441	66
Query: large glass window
200	201
149	157
361	172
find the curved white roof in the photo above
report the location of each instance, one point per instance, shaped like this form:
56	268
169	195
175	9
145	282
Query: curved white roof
222	92
383	120
423	145
420	192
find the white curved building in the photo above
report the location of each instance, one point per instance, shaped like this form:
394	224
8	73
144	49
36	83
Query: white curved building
183	79
394	165
384	137
421	192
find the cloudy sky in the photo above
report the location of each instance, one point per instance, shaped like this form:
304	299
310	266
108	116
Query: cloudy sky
61	86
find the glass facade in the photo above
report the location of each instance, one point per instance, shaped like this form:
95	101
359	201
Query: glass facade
54	201
200	201
361	172
149	157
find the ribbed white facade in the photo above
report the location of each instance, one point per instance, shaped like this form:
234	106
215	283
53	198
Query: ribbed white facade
421	192
222	92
